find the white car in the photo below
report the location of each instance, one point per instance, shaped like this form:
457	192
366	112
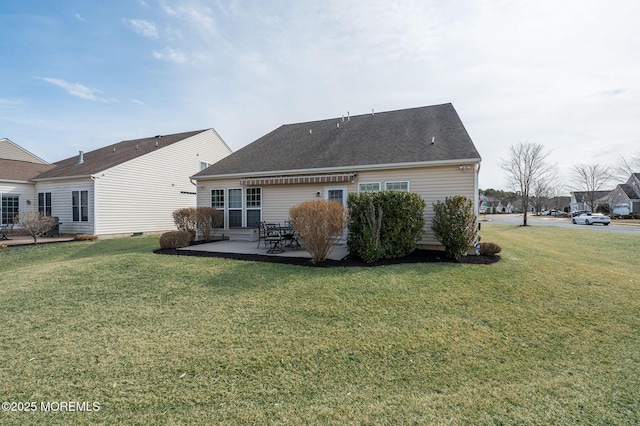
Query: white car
591	218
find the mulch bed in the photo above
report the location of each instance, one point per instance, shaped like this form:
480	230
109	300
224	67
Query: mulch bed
418	256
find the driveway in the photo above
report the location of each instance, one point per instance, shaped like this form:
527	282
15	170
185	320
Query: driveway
561	222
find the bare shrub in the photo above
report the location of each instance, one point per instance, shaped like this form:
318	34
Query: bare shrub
319	224
86	237
489	249
207	219
35	224
185	220
175	239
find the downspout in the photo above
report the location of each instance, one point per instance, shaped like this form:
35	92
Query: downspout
95	204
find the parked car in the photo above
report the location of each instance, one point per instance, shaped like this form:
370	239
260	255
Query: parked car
554	213
591	218
578	213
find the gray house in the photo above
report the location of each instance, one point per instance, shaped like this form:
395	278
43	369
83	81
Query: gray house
425	150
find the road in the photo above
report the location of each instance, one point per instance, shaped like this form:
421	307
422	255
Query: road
516	219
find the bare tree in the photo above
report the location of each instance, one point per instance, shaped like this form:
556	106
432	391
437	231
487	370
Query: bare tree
526	165
590	178
626	166
36	224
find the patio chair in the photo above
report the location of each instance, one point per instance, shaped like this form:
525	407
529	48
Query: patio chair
262	232
4	230
273	236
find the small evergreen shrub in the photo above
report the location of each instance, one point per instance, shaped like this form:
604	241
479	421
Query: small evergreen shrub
175	239
384	224
454	225
319	224
489	249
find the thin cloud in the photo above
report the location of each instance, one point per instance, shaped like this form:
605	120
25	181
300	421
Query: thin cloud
171	55
144	28
78	17
74	89
10	102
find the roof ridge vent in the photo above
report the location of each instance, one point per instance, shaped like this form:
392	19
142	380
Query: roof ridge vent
433	140
372	112
348	116
337	125
114	149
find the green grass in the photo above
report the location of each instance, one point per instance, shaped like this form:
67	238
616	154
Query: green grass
548	335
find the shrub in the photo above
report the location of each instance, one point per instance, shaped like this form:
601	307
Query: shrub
454	225
175	239
318	224
86	237
35	224
385	224
206	219
185	220
489	249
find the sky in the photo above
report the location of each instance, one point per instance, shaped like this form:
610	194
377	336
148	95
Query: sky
79	75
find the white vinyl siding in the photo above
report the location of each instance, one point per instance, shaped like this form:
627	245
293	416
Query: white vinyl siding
431	183
141	195
61	203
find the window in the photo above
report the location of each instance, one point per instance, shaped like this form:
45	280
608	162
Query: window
80	206
254	207
235	208
44	203
217	202
204	165
10	208
397	186
369	187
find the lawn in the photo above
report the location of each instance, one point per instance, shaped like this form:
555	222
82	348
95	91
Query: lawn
548	335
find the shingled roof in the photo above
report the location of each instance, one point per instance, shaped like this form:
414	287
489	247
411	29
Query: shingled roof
381	138
110	156
21	171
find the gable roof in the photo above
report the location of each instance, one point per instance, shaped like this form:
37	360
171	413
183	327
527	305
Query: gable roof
109	156
21	171
12	151
384	138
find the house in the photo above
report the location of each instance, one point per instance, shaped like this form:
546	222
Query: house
17	167
425	150
126	188
625	198
580	200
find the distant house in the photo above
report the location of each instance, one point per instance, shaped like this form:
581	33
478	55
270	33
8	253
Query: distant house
17	167
580	200
424	150
625	198
121	189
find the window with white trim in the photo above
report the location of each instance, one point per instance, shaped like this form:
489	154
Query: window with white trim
397	186
254	207
369	187
235	208
217	202
80	206
10	208
44	203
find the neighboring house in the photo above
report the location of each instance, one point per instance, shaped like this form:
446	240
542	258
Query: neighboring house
17	167
580	200
625	199
126	188
424	150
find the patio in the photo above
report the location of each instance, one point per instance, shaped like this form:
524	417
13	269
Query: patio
338	252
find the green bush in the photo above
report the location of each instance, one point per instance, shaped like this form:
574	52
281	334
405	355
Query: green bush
175	239
454	225
385	224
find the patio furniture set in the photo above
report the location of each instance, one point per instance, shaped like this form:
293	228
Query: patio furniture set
278	236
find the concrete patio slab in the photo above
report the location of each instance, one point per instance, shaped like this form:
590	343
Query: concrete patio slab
338	252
